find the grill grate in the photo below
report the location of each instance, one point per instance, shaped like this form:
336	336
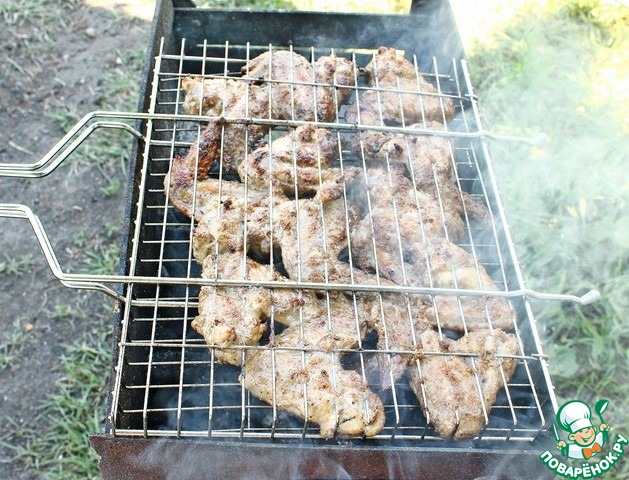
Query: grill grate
168	382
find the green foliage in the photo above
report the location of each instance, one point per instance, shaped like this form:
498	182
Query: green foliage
121	83
111	230
80	237
36	12
610	16
112	187
65	311
64	117
103	261
106	149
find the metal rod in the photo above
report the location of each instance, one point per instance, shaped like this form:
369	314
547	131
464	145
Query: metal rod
22	211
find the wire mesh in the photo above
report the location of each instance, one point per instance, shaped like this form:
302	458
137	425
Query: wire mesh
170	382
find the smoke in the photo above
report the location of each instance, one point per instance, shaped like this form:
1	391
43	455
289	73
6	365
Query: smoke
567	201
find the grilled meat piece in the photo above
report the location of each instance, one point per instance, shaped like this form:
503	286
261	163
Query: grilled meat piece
230	98
428	157
397	217
266	91
430	163
312	233
228	211
311	383
445	265
198	162
454	391
238	316
391	74
299	160
220	208
292	80
340	73
399	320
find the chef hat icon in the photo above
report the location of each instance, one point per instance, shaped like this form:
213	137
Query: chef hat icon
574	416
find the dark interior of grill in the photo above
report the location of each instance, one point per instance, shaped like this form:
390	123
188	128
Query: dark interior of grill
169	380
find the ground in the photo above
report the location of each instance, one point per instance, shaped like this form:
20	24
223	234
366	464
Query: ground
55	75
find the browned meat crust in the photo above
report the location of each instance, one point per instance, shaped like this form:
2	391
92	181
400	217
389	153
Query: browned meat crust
401	217
429	160
312	233
229	98
399	320
313	385
230	317
392	74
446	265
220	208
194	167
292	79
455	391
265	91
296	163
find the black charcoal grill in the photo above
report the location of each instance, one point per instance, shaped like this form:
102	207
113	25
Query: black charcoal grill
174	412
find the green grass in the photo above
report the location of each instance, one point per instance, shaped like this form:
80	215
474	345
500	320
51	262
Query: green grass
107	150
36	12
61	450
568	201
16	266
63	311
36	22
112	230
12	344
103	261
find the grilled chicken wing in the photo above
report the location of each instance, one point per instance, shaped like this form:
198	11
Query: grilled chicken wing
455	391
445	265
397	217
299	160
302	373
312	233
393	74
292	80
238	316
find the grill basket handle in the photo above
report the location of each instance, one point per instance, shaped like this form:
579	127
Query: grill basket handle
69	143
14	210
97	282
